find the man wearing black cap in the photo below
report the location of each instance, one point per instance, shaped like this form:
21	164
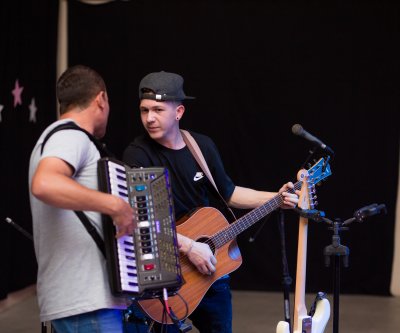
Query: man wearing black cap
161	95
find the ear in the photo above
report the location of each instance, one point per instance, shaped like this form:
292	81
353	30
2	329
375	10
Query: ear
101	99
180	110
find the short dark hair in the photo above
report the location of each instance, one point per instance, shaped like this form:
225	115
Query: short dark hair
77	86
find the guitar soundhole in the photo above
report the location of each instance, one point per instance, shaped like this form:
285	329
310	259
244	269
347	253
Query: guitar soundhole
207	241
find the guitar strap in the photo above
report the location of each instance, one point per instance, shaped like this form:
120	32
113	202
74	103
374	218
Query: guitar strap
199	157
103	153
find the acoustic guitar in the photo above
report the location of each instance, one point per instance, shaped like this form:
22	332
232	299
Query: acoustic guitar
208	225
302	322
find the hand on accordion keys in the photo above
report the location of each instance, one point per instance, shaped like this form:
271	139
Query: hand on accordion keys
122	216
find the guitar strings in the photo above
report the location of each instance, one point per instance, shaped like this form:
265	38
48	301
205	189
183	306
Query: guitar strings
231	231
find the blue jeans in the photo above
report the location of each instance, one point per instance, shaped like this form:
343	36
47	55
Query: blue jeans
99	321
213	315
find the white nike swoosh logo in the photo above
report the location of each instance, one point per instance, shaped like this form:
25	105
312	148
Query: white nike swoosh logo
198	176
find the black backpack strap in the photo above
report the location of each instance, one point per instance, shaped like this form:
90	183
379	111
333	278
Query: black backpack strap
92	231
104	152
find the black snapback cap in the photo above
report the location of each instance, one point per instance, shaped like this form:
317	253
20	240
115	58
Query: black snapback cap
163	86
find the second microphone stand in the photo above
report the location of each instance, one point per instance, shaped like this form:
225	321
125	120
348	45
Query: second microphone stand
337	250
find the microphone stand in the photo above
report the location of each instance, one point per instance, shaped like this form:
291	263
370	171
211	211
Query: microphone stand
29	236
286	278
336	249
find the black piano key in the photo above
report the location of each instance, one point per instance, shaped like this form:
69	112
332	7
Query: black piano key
123	187
121	178
120	170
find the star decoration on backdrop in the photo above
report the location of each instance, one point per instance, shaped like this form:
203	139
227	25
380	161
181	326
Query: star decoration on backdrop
32	113
1	109
17	93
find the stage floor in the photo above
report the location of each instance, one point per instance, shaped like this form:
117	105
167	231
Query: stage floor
253	312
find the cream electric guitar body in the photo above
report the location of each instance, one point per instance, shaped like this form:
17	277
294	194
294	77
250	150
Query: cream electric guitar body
302	322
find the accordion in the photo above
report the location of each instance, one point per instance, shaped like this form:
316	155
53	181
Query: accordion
141	265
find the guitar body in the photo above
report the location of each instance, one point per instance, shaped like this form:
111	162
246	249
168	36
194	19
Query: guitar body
318	321
199	226
209	226
321	316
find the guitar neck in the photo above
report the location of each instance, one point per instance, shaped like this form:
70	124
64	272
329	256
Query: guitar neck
300	309
233	230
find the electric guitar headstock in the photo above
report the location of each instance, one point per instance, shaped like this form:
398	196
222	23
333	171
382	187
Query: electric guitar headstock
318	172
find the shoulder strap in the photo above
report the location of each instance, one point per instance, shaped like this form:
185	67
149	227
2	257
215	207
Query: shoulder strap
103	153
92	231
199	157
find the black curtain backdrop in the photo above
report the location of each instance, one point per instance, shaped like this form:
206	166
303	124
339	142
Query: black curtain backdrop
28	31
256	69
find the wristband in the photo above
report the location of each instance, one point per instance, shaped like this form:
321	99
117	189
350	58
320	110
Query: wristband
190	247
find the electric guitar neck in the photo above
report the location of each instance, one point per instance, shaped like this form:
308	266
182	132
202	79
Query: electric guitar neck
302	322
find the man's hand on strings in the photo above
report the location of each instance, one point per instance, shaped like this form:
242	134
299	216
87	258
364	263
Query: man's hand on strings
290	200
198	253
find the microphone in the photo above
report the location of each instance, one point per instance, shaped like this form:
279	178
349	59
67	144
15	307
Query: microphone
370	210
297	129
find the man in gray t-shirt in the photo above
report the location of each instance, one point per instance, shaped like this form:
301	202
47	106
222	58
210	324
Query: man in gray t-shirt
72	282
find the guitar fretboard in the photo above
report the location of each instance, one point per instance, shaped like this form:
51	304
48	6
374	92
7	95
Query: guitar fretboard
233	230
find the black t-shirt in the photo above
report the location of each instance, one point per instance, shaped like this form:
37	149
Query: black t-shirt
191	188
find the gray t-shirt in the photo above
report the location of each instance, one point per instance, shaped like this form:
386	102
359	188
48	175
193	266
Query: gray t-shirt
72	276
